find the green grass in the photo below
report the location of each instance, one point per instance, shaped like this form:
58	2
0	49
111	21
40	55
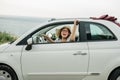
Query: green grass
6	37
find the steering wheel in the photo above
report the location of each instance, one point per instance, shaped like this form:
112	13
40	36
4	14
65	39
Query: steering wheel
40	39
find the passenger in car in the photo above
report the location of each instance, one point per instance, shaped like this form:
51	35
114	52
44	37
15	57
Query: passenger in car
65	34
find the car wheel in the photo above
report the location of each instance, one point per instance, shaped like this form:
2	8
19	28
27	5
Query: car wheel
115	75
6	73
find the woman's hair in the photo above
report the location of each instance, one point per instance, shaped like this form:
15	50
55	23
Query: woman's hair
65	27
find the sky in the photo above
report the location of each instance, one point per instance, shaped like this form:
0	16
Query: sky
60	8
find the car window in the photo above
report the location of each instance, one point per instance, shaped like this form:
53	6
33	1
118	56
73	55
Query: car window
98	32
52	32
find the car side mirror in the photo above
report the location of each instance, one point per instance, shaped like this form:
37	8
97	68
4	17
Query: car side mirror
29	44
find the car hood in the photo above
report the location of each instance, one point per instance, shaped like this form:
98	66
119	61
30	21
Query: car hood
4	46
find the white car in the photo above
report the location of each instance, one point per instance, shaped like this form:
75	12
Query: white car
95	54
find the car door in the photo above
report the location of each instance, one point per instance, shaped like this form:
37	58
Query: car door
55	61
103	48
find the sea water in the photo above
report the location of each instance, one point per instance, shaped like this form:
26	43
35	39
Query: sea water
19	25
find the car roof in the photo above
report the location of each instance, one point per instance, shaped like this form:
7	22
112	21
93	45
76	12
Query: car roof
53	20
67	19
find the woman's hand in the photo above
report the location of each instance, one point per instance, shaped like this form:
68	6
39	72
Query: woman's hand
76	22
47	38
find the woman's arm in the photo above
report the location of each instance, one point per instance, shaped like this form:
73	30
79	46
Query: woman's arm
72	37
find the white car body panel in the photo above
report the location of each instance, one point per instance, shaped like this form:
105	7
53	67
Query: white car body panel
58	61
11	56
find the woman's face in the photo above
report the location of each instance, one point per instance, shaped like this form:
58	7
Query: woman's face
64	33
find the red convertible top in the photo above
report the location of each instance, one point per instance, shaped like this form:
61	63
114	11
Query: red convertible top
107	17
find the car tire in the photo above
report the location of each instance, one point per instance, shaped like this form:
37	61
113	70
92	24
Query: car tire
115	75
6	73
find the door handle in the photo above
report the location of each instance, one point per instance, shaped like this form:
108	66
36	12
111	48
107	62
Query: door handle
80	53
